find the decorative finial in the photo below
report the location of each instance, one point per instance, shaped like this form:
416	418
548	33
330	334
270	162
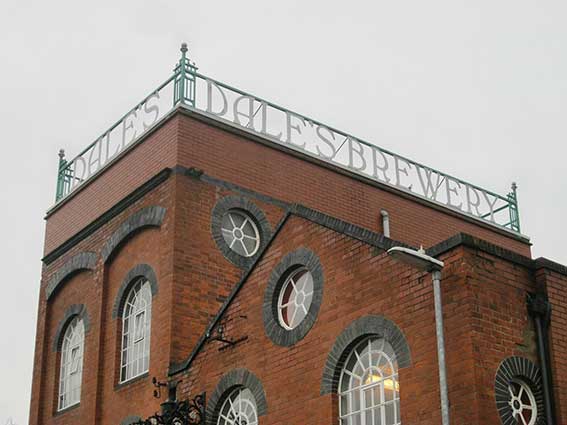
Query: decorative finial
61	153
184	48
421	250
514	186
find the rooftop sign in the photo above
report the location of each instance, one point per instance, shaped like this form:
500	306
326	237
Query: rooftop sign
281	126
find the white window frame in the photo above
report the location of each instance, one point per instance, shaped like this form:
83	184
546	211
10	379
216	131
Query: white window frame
363	394
135	345
236	234
71	365
517	401
304	294
239	408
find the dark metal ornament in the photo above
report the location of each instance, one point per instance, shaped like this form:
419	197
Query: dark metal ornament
173	412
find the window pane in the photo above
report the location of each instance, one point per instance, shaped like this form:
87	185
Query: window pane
355	398
377	416
390	415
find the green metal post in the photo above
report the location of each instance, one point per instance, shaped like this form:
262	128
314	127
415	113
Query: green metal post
180	80
184	90
61	176
513	208
191	80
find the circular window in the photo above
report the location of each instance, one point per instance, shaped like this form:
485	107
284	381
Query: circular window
240	229
522	402
239	408
240	233
518	392
295	298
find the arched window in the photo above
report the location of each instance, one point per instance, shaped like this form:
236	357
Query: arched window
71	371
239	408
136	321
368	387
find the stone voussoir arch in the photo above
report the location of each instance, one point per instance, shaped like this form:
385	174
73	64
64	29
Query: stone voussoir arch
513	368
73	310
80	262
138	271
236	378
146	217
361	328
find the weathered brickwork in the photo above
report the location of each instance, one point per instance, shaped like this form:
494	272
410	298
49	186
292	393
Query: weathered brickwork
96	289
367	282
153	212
203	276
556	288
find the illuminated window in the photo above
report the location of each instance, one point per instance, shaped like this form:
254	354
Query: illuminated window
368	387
239	408
295	298
136	321
522	402
240	233
71	371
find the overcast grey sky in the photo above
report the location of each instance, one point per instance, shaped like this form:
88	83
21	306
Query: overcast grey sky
475	89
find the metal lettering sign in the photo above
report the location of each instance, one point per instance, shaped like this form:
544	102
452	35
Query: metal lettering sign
279	125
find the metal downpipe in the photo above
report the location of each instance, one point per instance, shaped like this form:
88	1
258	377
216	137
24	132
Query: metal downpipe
436	274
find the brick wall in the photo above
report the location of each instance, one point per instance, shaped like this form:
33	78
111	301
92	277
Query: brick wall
481	329
500	324
102	401
556	288
203	277
484	296
155	153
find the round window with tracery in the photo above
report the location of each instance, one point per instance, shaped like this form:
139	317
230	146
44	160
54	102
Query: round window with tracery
240	233
295	298
522	402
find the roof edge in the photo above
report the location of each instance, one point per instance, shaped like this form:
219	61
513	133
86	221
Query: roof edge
464	239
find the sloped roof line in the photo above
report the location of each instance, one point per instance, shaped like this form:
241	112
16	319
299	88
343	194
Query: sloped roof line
362	234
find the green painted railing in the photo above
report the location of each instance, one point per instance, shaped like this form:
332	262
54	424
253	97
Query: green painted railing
259	117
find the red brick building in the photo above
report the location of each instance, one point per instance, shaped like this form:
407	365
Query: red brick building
227	246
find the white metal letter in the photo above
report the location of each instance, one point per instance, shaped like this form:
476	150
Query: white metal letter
326	141
97	159
249	115
401	170
450	190
469	201
264	129
224	108
152	108
429	188
289	126
130	126
377	168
